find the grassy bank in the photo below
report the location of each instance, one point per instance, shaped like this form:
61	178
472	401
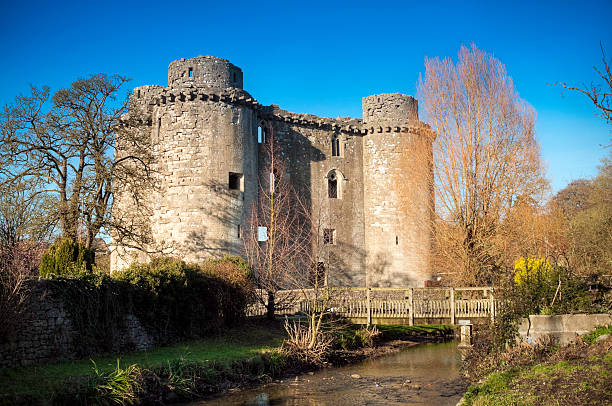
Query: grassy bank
578	374
47	381
238	357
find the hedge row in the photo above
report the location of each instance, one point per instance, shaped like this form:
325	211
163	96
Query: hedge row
171	299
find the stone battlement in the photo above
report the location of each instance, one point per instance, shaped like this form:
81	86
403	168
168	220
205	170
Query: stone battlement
369	180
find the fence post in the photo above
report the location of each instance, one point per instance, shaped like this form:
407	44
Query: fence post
411	303
492	304
369	305
452	305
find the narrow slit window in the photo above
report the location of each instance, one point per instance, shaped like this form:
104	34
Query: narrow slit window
335	145
158	126
329	236
238	230
261	135
190	72
235	181
396	240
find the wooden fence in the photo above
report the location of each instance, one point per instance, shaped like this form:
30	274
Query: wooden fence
384	305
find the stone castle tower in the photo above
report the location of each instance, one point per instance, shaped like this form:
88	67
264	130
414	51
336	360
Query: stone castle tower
370	178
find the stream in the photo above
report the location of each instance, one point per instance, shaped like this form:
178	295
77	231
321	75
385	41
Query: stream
426	374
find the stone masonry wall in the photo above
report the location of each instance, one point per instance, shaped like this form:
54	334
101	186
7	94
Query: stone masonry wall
47	334
204	126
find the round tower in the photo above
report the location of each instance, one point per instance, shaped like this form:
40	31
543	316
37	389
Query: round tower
204	71
205	153
398	191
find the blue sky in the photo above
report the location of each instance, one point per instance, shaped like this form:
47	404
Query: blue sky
323	57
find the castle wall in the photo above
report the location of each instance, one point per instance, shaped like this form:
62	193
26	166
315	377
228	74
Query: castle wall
199	145
398	197
204	127
309	152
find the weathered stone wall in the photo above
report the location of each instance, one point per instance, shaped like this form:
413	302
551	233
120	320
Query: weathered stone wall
204	126
308	149
398	198
205	71
48	334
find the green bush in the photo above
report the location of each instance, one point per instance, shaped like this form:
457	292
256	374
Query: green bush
66	257
194	300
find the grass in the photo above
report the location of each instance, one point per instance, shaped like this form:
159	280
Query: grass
583	380
42	381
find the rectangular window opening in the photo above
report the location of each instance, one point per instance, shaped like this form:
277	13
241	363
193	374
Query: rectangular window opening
332	188
262	233
396	240
235	181
190	72
329	236
238	230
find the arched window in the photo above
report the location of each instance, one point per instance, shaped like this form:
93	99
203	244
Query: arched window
335	141
335	184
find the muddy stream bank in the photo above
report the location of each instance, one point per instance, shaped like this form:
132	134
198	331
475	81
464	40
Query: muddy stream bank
425	374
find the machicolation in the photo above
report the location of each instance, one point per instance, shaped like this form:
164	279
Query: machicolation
369	178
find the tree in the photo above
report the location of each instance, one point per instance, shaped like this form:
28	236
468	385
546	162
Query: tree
275	241
23	214
68	150
587	208
599	94
485	156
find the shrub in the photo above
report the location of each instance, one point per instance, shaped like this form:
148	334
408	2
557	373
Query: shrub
525	269
66	257
175	297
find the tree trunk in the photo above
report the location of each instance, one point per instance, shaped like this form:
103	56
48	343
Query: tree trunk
270	308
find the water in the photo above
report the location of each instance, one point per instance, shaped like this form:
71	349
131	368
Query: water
426	374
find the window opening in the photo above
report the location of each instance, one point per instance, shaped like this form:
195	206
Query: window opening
261	135
235	181
335	145
318	275
138	93
332	186
190	72
234	76
238	230
158	126
262	233
396	240
329	235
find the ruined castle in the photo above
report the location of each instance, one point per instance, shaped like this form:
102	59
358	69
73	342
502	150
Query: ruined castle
370	177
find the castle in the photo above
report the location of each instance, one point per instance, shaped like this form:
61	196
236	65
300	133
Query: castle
370	177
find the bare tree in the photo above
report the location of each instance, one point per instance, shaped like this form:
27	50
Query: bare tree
599	94
485	156
274	241
67	149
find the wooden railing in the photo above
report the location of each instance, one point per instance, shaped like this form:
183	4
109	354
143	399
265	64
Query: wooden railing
405	304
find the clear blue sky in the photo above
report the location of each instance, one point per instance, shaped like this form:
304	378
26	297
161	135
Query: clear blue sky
323	57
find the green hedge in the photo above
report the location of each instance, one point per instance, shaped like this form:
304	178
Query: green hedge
172	300
66	257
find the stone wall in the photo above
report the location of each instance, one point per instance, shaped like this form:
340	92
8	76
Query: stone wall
204	127
563	328
48	334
